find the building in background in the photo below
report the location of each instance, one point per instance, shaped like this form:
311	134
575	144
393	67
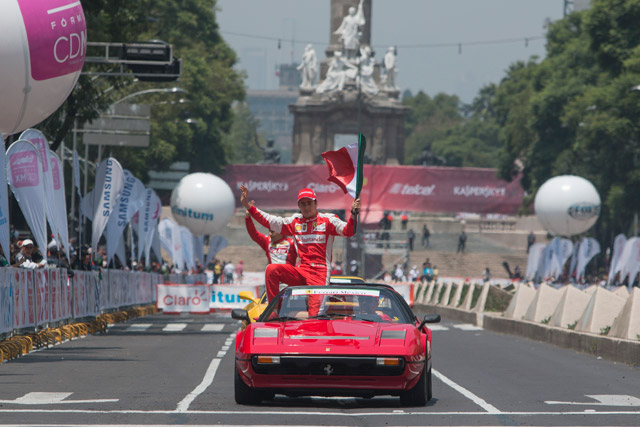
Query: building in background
271	108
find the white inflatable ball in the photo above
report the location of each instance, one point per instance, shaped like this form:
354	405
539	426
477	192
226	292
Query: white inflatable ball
42	51
203	203
567	205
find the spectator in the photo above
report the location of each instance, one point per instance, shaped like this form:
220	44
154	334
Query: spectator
228	271
217	271
425	236
336	269
411	235
398	273
239	270
531	239
353	267
462	242
24	258
435	273
414	273
517	274
486	276
404	220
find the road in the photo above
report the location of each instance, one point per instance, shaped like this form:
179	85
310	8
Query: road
166	370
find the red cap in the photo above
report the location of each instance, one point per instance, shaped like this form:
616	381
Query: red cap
306	193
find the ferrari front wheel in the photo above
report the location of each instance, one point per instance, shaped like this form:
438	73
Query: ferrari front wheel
420	394
244	394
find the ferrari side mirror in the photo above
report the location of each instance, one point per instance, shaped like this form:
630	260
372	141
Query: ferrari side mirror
429	318
240	314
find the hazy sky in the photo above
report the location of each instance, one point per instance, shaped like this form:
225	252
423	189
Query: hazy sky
401	23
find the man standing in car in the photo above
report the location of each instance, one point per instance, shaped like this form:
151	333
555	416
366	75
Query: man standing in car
313	234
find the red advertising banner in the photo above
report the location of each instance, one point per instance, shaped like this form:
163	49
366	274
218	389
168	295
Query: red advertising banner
393	188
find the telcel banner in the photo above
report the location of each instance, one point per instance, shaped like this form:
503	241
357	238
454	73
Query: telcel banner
184	298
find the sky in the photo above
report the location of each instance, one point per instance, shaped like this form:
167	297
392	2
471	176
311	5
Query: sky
400	23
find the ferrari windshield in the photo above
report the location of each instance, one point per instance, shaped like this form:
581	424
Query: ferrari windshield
370	304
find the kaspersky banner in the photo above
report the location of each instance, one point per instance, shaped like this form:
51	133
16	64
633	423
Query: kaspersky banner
61	203
129	202
397	188
109	183
26	182
4	203
38	139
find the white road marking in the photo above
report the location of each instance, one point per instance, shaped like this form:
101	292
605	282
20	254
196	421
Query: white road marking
46	398
174	327
138	327
466	393
468	327
438	328
603	400
212	327
225	347
221	354
206	382
329	414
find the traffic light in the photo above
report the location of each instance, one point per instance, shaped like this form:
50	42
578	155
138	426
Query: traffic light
151	61
157	72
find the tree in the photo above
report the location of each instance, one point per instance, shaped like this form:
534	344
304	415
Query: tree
241	143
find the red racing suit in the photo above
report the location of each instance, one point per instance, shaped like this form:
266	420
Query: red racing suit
314	243
281	252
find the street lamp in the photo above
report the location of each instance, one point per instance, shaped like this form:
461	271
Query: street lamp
146	91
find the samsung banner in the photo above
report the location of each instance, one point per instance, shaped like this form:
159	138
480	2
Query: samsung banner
589	247
26	181
216	244
147	222
618	247
397	188
129	202
108	184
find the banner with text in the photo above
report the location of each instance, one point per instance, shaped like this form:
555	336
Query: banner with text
175	298
397	188
226	296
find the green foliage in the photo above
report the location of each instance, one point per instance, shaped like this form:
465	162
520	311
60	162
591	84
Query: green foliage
189	131
573	325
545	321
605	330
241	143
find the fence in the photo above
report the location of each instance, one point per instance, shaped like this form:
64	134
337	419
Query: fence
30	299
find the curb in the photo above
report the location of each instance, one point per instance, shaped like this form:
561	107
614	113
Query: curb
613	349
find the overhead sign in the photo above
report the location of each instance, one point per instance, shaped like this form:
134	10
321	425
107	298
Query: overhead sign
122	125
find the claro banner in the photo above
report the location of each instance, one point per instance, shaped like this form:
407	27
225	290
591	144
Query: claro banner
396	188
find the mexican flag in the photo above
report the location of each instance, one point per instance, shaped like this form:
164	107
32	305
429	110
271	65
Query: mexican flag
345	166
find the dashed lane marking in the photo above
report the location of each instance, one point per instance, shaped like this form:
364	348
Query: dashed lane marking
468	327
435	328
212	327
174	327
138	327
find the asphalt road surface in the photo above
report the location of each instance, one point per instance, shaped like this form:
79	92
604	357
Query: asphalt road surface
167	370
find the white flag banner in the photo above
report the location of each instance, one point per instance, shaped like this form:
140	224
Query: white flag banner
187	247
26	182
216	244
551	261
535	254
121	254
618	247
4	204
38	139
61	203
76	172
589	247
108	184
564	249
147	221
88	205
630	259
155	245
171	240
198	248
574	259
128	203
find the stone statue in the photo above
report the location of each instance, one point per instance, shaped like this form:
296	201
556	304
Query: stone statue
270	153
390	68
308	67
349	30
365	80
337	73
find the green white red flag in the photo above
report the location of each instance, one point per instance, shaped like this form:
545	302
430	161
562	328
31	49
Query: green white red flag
345	166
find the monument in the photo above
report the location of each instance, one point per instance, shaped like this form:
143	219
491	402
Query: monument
354	94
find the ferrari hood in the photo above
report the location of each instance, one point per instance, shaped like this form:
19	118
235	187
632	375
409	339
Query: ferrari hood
334	332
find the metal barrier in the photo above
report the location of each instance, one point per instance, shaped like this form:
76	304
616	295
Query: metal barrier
36	299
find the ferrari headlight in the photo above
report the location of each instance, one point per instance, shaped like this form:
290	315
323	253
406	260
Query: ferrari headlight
388	361
268	360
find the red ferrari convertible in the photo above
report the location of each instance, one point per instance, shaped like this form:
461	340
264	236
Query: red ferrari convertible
364	341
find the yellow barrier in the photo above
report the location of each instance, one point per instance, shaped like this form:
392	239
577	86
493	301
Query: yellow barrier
18	345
